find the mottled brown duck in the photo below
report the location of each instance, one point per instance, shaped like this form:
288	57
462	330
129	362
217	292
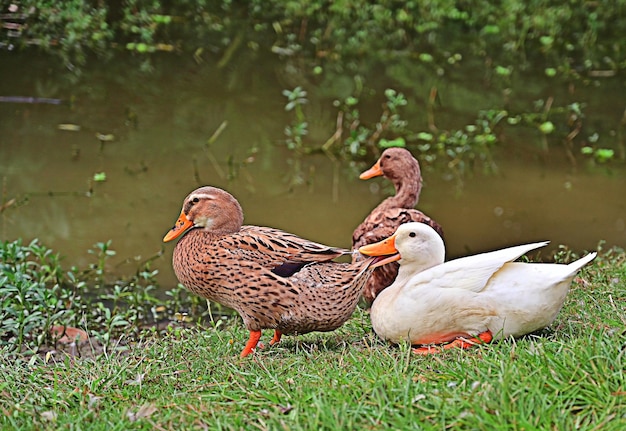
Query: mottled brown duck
400	167
273	279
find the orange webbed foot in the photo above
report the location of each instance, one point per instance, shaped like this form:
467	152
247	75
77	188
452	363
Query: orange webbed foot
276	338
426	350
251	344
461	342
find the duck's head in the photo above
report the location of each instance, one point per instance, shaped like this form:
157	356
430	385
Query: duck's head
210	208
414	245
394	163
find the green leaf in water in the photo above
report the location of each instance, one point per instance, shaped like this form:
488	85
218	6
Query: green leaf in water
491	29
514	120
351	101
100	177
550	72
426	58
425	136
504	71
398	142
604	154
546	127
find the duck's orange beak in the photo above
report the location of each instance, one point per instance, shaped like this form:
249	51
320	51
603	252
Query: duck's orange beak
182	224
382	248
374	171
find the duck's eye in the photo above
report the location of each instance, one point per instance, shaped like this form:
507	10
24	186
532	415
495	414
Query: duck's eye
412	234
195	200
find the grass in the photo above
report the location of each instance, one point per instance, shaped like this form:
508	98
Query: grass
570	376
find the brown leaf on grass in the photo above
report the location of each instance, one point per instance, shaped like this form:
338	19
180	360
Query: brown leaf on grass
137	380
68	334
93	400
285	409
144	411
49	416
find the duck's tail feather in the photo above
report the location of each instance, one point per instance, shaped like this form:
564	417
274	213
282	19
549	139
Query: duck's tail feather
577	265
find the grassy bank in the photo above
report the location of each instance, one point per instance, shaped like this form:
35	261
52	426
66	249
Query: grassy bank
570	376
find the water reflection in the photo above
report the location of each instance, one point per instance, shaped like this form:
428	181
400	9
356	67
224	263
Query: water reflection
152	164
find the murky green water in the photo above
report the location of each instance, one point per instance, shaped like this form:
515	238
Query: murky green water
152	164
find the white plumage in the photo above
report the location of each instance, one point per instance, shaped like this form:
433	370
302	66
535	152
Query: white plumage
436	302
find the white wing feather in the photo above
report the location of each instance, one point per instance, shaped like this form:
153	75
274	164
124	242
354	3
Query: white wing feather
471	272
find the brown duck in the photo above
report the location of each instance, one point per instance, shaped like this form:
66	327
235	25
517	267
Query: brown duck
403	170
273	279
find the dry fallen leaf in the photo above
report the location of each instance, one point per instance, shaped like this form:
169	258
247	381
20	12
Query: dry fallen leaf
137	380
93	400
49	416
285	409
144	411
68	334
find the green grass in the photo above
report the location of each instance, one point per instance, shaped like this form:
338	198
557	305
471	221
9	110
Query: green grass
570	376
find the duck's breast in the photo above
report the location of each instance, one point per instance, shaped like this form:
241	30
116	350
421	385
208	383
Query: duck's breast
429	315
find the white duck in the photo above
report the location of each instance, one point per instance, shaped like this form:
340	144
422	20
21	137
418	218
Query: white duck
464	301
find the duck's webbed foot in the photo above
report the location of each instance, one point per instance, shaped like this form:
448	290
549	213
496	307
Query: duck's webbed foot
251	344
276	338
460	342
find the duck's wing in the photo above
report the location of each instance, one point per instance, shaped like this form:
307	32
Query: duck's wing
471	272
282	252
334	275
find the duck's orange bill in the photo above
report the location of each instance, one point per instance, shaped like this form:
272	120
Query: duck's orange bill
374	171
382	248
182	224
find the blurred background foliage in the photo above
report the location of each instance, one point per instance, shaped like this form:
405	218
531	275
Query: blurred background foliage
349	50
574	38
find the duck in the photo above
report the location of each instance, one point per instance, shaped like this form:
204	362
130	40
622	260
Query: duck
437	305
398	165
273	279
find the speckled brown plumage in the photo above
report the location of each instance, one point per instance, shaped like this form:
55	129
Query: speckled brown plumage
273	279
403	170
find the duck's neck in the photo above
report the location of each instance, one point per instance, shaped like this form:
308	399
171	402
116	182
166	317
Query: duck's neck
407	193
407	271
429	257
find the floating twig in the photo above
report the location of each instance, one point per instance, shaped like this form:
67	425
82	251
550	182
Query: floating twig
209	153
21	99
7	204
433	98
231	49
69	127
217	133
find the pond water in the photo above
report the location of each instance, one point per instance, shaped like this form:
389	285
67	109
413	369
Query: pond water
161	123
